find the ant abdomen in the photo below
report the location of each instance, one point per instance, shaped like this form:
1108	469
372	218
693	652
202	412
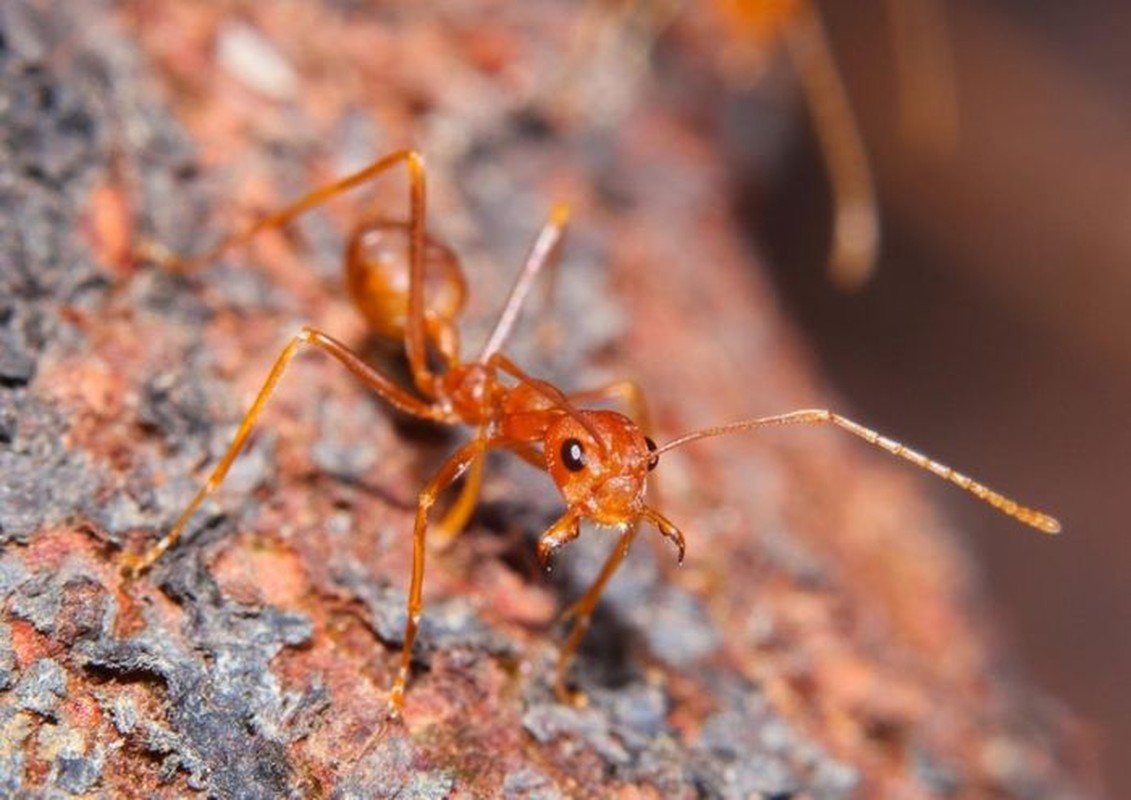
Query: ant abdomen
377	279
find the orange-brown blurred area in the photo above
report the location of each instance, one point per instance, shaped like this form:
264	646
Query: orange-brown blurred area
996	332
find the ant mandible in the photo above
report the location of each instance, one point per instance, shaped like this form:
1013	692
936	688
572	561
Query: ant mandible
598	459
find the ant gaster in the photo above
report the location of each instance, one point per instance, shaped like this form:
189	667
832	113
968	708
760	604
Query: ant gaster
598	459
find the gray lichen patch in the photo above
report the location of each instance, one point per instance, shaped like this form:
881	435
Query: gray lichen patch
15	729
747	750
72	769
448	625
37	601
744	750
40	688
216	711
77	774
44	482
7	657
527	783
227	715
390	769
60	115
67	603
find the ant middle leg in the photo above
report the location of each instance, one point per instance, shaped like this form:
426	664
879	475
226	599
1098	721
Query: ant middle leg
449	471
541	253
856	217
455	518
393	394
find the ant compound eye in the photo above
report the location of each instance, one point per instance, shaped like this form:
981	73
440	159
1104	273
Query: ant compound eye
573	455
654	461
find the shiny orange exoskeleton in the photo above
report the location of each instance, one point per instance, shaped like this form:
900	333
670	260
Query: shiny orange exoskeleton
599	460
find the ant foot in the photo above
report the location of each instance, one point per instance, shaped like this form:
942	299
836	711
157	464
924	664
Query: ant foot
134	566
570	697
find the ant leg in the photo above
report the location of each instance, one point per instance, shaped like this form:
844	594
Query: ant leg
924	70
667	530
388	390
582	611
448	472
541	253
416	327
455	520
856	225
561	533
285	215
627	392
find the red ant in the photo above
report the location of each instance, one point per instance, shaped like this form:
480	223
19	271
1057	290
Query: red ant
599	459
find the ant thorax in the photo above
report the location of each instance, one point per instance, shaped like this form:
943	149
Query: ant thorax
473	393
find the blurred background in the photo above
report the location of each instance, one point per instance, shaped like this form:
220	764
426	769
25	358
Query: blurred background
996	333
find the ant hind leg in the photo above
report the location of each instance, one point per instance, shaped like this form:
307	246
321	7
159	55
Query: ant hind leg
393	394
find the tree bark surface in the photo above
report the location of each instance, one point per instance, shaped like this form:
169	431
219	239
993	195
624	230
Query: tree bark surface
826	638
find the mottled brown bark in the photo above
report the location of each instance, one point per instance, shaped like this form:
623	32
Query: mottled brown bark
824	639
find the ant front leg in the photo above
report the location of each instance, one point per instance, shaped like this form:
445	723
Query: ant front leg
455	520
582	611
449	471
392	393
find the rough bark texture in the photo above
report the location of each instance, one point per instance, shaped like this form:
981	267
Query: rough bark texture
825	638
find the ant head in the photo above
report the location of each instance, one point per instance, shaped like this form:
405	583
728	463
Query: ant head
600	461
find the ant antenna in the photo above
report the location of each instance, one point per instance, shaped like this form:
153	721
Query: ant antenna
1040	521
540	252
